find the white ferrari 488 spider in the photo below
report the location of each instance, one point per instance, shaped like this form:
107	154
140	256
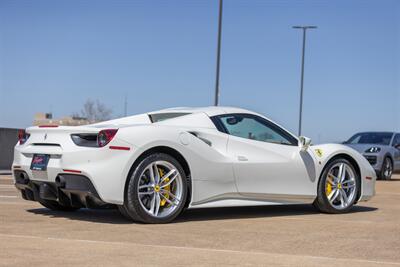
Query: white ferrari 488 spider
153	166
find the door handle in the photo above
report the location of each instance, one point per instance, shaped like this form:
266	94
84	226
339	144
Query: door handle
242	158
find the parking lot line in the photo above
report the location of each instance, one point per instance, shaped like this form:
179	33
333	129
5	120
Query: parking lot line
7	186
12	203
8	196
5	177
346	260
389	194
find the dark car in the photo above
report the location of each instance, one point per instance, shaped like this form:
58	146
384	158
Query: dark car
381	149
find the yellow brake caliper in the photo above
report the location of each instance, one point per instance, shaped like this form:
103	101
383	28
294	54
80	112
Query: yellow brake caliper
328	187
167	188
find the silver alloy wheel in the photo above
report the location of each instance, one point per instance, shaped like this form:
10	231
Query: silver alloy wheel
388	168
160	189
340	186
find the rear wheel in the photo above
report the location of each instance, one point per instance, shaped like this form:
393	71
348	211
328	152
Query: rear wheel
156	192
387	169
338	187
54	205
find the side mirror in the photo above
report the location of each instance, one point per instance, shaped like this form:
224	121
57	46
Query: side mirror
304	143
397	146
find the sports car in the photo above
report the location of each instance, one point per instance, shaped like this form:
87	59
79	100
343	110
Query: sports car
152	166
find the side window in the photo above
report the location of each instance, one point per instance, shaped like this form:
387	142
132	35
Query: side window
165	116
396	140
255	128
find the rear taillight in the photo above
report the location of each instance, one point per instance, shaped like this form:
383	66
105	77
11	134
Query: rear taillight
105	136
22	136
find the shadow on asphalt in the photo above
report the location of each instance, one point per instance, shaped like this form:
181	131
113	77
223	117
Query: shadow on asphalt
207	214
256	212
111	216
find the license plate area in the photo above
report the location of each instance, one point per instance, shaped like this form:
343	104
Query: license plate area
39	162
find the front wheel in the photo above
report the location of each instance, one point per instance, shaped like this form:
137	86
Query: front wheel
156	191
338	187
387	169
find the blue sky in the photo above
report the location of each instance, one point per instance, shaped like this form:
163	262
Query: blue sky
54	55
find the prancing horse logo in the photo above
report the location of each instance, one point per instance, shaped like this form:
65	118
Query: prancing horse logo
45	136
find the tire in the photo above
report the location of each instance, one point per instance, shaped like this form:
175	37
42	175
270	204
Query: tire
123	212
330	197
386	170
54	205
149	201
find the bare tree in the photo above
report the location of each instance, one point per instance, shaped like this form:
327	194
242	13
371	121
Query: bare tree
95	111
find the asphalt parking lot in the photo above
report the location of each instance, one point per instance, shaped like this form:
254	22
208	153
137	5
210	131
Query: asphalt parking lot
273	235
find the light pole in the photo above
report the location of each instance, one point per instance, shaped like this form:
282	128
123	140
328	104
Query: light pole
216	99
304	28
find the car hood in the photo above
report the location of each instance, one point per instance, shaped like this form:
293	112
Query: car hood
362	147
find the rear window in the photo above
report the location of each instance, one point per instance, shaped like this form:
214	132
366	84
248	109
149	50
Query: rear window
165	116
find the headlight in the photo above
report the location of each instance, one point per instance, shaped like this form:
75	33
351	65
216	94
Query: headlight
373	150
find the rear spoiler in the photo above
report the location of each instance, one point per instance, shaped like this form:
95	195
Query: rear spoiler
62	129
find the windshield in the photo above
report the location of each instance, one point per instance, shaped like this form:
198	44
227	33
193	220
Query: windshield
371	138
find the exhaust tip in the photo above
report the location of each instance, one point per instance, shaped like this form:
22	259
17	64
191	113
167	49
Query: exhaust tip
24	178
60	181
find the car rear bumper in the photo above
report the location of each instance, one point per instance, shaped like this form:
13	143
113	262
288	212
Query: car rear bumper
106	169
68	190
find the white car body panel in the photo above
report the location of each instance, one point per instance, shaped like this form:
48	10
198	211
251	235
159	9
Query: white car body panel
224	170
